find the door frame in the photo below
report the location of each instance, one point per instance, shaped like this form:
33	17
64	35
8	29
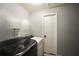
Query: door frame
43	26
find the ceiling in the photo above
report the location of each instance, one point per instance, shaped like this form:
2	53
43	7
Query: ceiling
32	7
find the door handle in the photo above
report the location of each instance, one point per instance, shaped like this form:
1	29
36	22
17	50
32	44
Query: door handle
44	36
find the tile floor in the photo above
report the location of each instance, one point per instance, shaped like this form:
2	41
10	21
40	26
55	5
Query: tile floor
49	54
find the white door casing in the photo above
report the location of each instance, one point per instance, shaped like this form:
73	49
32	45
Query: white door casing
50	31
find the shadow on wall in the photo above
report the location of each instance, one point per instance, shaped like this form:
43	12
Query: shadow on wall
4	27
10	28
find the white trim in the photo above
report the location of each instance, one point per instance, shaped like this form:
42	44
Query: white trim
45	15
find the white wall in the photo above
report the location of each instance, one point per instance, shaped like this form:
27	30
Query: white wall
36	24
68	21
17	17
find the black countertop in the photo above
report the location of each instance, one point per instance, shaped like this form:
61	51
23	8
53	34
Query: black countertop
27	47
16	47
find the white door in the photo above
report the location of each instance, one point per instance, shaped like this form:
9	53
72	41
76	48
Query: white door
50	31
